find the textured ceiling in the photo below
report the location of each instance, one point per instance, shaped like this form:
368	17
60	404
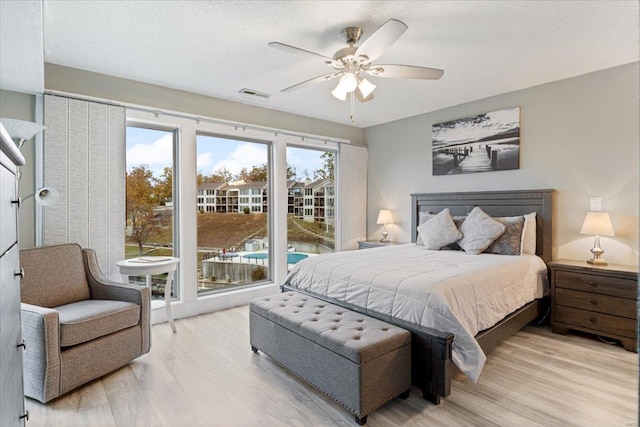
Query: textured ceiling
217	48
21	61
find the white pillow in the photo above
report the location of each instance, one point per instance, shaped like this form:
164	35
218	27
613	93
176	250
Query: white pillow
528	242
439	231
479	230
422	218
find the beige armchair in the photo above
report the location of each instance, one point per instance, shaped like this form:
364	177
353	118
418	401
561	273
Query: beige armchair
77	325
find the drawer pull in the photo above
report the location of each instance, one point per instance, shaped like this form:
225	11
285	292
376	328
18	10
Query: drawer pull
594	302
25	416
20	273
593	284
23	345
592	320
16	202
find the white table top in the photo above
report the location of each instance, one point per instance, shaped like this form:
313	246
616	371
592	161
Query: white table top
148	264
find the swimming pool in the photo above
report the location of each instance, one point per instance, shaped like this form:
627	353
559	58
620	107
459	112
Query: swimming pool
292	257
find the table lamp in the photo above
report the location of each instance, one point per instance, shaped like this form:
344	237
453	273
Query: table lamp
597	224
384	218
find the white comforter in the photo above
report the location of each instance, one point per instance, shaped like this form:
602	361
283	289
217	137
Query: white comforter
449	291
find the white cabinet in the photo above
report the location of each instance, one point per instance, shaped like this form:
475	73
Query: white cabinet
12	411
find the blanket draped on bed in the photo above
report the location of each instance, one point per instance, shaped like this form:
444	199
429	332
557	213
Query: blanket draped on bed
449	291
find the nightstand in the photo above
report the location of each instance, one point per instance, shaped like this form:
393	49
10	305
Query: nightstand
597	300
366	244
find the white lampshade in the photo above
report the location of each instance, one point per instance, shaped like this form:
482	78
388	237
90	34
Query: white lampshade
21	129
339	93
598	224
384	217
366	87
45	196
348	82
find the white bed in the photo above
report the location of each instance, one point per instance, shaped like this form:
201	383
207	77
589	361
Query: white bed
444	290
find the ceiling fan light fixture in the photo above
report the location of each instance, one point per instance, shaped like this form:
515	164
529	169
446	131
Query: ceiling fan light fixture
339	93
366	87
348	82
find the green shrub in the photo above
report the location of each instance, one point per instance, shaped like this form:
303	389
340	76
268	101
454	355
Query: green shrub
246	210
257	274
213	278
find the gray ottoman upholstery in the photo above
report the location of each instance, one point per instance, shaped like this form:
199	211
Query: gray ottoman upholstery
360	362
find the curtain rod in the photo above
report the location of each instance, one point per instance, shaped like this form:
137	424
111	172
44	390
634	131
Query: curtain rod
243	126
157	112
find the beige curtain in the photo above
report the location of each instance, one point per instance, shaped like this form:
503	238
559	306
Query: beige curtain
84	159
352	181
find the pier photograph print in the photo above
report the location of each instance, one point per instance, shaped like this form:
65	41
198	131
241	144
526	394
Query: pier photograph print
481	143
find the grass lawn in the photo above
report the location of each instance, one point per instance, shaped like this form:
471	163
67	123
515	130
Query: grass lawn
224	230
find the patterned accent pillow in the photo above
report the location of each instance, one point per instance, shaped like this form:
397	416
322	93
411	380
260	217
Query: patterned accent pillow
510	241
439	231
479	231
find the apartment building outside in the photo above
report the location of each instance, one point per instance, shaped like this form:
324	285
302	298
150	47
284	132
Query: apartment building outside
312	201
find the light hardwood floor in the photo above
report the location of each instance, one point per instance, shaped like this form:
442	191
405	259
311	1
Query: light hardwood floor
206	375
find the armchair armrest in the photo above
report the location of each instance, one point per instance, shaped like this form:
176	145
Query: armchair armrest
103	288
41	333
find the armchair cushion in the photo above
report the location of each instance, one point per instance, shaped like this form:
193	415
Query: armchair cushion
54	275
90	319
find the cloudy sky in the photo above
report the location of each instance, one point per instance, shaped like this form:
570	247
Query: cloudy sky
154	149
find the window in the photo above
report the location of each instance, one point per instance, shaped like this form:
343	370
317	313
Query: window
311	230
149	198
232	240
223	171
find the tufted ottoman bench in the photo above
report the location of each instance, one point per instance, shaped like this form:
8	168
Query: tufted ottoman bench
360	362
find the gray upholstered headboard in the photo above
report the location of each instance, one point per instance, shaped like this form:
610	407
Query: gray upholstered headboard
494	203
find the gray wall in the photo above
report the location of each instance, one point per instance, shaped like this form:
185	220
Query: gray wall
76	81
578	136
21	106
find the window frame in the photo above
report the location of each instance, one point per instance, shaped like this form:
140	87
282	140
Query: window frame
185	188
175	181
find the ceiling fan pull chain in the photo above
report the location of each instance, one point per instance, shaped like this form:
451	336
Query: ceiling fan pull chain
353	119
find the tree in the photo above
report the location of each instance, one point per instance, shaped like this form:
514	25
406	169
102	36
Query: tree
328	166
256	174
292	173
164	185
220	175
140	201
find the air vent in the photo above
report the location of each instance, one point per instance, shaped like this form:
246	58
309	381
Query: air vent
254	95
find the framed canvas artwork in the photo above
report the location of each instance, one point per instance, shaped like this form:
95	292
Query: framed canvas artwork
481	143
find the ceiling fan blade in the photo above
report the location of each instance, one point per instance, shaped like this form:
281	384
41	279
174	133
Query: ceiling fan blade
361	97
310	82
392	71
376	44
298	51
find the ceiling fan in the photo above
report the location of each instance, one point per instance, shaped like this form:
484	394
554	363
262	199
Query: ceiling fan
352	63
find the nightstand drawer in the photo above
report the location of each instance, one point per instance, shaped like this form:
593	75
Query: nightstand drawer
607	285
597	302
596	321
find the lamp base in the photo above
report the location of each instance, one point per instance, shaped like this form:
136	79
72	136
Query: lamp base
384	237
597	261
